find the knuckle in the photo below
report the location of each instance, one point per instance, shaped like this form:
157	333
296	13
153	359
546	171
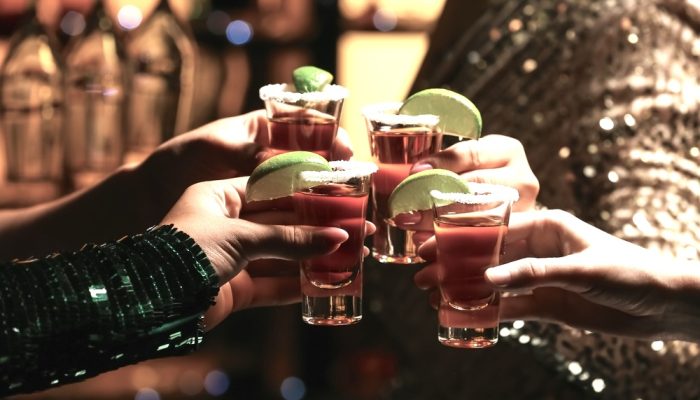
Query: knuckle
532	270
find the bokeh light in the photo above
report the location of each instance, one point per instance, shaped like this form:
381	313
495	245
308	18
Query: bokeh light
384	20
147	394
72	23
293	388
239	32
216	383
129	17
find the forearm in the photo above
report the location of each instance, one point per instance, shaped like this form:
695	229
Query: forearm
74	315
119	205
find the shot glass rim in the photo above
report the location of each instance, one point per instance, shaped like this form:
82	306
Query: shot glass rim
480	193
346	170
279	92
379	112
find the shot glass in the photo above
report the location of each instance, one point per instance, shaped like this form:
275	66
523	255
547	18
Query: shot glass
302	121
331	285
396	143
470	230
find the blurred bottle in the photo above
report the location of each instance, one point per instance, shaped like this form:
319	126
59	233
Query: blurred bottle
162	62
31	101
95	100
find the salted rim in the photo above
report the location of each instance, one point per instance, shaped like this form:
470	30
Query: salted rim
382	113
479	193
345	170
278	92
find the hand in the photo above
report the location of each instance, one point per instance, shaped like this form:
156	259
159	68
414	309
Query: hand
136	197
494	159
226	148
491	159
255	248
567	271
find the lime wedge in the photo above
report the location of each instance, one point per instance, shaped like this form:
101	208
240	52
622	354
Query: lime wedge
277	176
413	193
311	79
458	115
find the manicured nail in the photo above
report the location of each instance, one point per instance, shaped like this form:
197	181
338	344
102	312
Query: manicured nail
421	166
334	235
498	276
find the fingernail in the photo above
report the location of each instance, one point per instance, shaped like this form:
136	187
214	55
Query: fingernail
421	166
498	276
335	235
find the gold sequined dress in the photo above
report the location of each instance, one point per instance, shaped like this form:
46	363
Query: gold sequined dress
605	97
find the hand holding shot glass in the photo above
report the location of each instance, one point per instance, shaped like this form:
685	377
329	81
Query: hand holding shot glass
400	135
470	221
304	116
332	194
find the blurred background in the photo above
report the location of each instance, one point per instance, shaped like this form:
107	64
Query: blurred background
88	85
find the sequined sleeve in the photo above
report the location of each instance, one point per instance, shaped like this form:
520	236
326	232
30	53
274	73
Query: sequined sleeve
604	96
70	316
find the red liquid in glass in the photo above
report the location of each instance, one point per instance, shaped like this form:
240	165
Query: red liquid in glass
395	152
336	205
466	249
298	131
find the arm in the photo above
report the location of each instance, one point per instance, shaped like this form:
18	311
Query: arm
136	197
70	316
567	271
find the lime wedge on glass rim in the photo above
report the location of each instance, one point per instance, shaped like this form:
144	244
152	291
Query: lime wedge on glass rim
413	193
458	115
276	177
311	79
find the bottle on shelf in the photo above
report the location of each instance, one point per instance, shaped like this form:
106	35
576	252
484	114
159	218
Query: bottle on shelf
31	100
161	57
95	90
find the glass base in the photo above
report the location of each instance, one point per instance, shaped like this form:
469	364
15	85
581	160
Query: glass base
331	310
468	338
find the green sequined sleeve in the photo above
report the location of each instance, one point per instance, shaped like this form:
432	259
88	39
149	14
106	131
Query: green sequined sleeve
70	316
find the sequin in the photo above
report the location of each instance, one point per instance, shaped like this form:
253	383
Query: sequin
623	75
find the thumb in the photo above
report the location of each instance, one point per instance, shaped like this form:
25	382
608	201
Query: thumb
531	273
289	242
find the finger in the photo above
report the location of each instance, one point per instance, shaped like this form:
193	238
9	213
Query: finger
342	147
295	242
516	177
274	217
421	237
370	228
491	151
426	278
434	299
428	250
569	273
515	251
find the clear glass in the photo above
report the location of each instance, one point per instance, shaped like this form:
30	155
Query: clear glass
470	231
396	143
162	64
331	285
31	97
95	106
303	121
